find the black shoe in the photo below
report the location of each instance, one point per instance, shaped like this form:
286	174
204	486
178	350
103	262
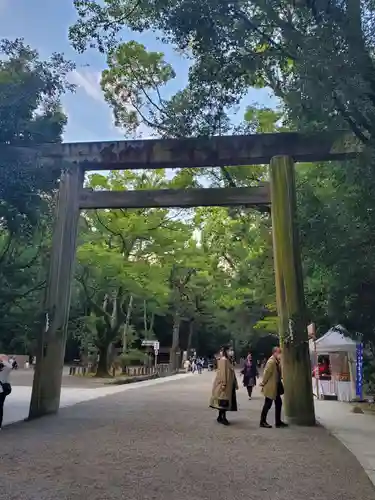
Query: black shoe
225	422
265	425
220	419
281	424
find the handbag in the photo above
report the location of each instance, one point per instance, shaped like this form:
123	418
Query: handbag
7	388
224	403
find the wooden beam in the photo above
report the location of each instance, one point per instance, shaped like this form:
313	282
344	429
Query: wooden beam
204	151
179	198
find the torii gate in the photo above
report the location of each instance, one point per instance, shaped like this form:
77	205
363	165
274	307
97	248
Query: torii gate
279	150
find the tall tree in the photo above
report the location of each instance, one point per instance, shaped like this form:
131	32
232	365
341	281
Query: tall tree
127	255
30	114
317	57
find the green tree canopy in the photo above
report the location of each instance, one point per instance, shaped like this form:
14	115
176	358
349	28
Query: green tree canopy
30	114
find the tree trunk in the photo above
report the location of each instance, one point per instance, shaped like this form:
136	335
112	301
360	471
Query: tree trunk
145	318
102	369
148	326
174	362
152	321
126	330
190	337
111	356
299	403
126	325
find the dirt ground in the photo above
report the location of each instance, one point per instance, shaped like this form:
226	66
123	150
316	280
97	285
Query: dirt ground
24	378
163	443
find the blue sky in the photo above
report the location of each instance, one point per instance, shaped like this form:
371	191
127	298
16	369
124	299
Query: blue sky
44	25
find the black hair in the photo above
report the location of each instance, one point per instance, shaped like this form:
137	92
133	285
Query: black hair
225	349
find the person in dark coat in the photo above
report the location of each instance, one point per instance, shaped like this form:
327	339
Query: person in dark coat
250	374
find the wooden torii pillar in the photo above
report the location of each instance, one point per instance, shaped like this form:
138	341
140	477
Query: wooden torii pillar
291	308
52	339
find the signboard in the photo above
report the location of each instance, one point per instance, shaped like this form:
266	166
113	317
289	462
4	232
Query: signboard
152	343
148	342
359	370
311	331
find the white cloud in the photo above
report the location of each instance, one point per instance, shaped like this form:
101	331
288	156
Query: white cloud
89	81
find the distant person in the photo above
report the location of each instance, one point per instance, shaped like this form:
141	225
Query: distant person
273	389
224	389
250	373
5	387
194	365
187	366
323	368
13	362
200	365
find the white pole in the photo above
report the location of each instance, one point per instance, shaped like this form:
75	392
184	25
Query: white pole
316	371
311	330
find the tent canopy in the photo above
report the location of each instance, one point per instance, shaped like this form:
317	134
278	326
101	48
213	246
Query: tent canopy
334	341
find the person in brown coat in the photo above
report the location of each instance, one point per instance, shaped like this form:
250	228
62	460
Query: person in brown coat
273	389
224	389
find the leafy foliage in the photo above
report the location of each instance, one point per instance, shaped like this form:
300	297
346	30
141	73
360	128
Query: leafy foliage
316	58
30	114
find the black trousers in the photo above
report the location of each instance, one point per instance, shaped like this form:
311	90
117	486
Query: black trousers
2	401
249	390
267	406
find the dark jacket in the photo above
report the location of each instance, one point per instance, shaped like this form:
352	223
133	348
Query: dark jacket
249	372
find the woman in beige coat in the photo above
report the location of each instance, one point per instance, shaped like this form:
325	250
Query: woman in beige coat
223	396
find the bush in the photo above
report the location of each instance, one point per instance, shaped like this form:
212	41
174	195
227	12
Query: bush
133	357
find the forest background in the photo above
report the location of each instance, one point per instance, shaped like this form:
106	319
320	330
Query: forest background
195	278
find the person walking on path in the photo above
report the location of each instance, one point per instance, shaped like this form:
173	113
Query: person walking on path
223	397
200	365
5	387
187	366
194	365
273	389
250	373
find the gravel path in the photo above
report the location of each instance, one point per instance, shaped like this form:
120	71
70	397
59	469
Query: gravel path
163	443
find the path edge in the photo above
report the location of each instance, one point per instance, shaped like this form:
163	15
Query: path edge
361	459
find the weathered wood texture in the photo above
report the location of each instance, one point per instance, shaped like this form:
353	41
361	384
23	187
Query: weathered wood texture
181	198
203	151
299	405
51	349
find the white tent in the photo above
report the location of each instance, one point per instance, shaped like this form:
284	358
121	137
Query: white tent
335	341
